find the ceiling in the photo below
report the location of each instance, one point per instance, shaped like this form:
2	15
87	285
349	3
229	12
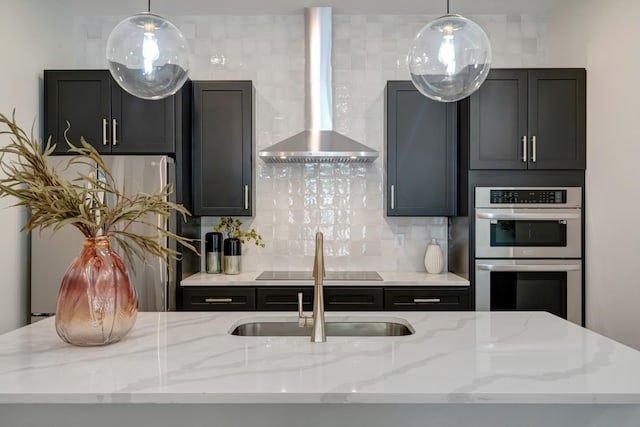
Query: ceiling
261	7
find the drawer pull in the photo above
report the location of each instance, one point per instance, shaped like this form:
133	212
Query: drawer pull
419	300
218	300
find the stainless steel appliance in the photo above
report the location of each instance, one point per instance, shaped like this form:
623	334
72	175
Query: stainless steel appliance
51	253
528	250
528	223
553	285
320	142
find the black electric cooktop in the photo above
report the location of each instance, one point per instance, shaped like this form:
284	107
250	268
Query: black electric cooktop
330	275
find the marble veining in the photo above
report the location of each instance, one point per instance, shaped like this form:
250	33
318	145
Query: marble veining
453	357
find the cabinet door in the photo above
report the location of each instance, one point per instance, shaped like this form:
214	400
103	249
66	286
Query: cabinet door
356	298
421	153
80	97
284	298
237	298
222	148
426	299
141	126
498	122
557	119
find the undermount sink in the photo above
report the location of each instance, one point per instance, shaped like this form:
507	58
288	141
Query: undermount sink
335	329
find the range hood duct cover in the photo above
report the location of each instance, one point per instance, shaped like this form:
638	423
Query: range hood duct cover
320	143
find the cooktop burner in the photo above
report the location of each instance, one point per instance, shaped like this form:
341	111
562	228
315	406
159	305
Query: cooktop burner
331	275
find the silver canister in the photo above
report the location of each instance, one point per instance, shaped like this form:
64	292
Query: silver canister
232	256
213	252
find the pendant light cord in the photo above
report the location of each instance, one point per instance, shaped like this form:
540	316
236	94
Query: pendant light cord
447	6
149	6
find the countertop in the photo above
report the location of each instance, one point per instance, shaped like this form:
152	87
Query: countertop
389	279
452	358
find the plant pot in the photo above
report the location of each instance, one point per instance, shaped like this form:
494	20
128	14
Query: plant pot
97	304
232	259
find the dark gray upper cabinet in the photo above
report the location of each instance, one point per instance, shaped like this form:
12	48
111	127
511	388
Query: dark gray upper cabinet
110	119
528	119
223	148
421	140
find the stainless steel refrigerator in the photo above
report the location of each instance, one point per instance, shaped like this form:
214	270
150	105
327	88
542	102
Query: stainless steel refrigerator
51	253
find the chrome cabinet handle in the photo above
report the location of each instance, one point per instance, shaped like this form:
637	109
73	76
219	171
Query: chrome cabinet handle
104	132
393	197
534	149
524	149
115	131
246	197
218	300
419	300
528	267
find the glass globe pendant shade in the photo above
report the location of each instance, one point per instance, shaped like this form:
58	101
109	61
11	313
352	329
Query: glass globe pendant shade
148	56
449	58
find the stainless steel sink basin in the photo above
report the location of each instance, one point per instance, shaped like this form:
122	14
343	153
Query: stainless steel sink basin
336	329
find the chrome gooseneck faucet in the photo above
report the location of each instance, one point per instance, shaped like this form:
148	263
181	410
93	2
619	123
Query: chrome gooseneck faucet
318	333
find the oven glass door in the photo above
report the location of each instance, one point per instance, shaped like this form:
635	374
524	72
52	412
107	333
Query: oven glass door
530	285
529	291
528	233
509	232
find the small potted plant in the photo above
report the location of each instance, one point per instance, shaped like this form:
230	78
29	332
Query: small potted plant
232	245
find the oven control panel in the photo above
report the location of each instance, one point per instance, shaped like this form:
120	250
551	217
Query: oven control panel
515	197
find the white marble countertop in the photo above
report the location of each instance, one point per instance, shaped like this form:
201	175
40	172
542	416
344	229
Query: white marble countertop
453	357
389	279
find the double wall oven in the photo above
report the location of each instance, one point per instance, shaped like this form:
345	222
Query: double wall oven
528	250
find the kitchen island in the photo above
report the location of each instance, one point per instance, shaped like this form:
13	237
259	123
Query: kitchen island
456	369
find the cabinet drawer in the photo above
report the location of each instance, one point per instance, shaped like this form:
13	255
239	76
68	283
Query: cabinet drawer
427	299
284	299
353	299
219	299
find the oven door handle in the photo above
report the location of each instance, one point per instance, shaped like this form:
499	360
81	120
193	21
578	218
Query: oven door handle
529	267
530	216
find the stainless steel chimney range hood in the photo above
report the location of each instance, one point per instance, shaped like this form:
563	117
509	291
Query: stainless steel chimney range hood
320	143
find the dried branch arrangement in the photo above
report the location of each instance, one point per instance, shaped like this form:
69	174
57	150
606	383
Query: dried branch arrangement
54	201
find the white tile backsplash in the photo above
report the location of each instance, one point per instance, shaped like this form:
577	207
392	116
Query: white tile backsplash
343	201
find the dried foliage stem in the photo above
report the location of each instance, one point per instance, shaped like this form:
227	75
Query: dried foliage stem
54	201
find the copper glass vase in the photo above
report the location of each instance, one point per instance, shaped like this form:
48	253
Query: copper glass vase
96	304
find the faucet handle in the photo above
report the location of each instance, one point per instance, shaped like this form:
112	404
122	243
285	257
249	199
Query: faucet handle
300	309
302	319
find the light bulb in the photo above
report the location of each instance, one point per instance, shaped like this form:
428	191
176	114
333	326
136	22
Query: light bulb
150	52
447	51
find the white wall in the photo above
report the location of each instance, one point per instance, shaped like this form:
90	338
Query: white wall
343	201
34	35
602	37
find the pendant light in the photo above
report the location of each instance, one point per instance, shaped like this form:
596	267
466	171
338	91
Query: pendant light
449	58
148	56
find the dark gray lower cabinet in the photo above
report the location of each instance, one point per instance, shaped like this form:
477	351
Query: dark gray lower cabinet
358	298
228	298
336	298
284	298
426	299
